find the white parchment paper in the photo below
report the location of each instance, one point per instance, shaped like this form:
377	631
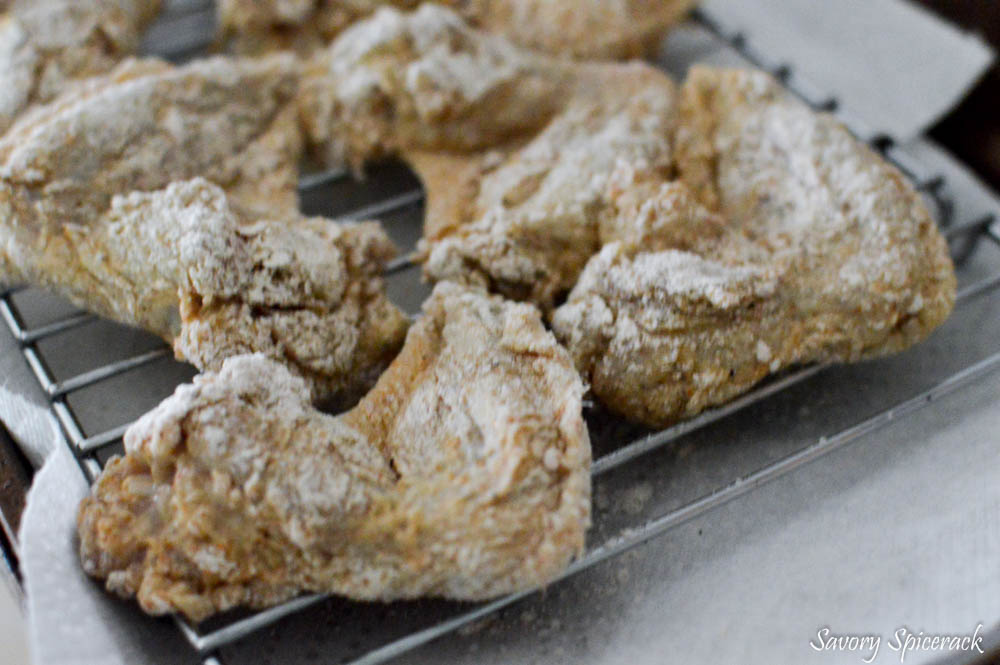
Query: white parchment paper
890	62
71	620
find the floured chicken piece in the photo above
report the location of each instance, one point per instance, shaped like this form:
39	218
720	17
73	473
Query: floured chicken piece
305	26
585	29
141	127
463	474
515	149
47	45
784	241
590	29
225	284
181	263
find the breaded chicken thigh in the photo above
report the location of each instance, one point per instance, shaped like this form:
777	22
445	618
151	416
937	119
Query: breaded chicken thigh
180	262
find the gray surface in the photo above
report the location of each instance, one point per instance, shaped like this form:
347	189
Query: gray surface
12	627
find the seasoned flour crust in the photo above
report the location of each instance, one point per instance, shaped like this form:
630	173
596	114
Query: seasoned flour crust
586	29
784	241
515	149
463	474
46	46
98	204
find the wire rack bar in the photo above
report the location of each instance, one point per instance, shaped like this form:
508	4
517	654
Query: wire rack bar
653	441
974	227
390	205
105	372
28	336
98	441
56	327
68	423
91	468
180	7
55	389
978	288
401	263
312	181
238	630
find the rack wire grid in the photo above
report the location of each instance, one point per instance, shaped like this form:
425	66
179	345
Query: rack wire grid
393	195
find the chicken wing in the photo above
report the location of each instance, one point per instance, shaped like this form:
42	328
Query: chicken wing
147	124
463	474
193	263
585	29
45	45
575	28
181	263
514	149
261	26
783	241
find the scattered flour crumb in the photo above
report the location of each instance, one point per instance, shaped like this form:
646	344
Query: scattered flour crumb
635	498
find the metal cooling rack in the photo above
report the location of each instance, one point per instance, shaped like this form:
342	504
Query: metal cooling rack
395	197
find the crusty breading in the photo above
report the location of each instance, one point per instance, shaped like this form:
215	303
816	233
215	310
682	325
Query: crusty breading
522	194
46	45
303	291
784	241
179	262
514	148
261	26
525	217
424	80
463	474
585	29
147	124
599	29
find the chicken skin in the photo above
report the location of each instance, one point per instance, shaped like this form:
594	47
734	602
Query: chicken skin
784	241
585	29
48	45
218	266
464	474
513	148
